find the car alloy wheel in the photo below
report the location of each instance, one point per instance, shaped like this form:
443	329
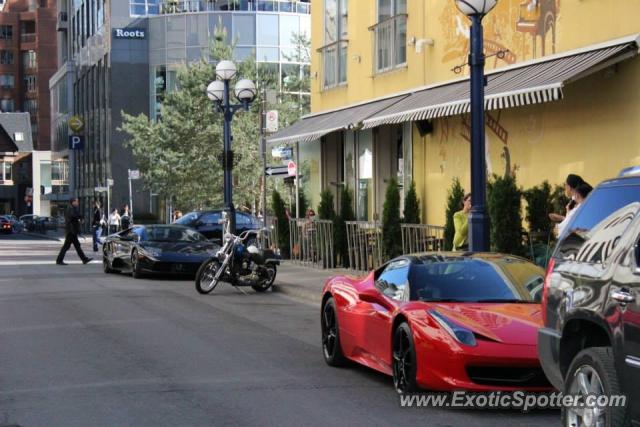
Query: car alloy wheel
136	272
331	348
404	360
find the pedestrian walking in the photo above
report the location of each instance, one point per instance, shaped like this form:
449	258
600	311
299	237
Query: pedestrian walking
461	225
114	222
125	218
96	225
72	220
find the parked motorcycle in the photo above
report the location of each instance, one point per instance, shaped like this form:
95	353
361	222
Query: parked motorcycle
240	262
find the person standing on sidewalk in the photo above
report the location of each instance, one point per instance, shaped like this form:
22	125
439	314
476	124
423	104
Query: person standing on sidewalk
461	225
125	218
114	222
96	225
72	219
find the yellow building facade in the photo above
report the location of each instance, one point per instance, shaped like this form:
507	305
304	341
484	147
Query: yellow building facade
372	57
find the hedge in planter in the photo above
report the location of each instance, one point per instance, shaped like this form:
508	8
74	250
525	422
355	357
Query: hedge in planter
340	226
454	201
391	233
411	206
279	209
504	208
325	208
539	206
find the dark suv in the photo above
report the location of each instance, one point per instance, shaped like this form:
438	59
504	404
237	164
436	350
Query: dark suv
207	223
590	342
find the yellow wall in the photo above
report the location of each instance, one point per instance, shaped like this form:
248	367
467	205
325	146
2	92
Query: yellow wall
594	132
579	23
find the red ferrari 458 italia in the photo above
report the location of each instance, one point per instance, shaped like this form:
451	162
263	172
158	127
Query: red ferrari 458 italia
440	321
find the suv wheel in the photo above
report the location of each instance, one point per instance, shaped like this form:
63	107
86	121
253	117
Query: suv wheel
592	373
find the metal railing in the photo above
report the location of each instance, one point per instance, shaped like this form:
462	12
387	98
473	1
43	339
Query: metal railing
184	6
28	38
389	39
311	242
364	241
422	238
270	238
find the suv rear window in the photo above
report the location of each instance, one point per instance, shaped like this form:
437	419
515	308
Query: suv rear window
598	225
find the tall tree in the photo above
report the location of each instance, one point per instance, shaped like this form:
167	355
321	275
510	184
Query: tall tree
411	206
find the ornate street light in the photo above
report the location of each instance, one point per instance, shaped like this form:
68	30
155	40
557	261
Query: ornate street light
218	92
478	218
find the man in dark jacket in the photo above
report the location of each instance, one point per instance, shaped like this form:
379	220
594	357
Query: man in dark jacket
72	219
96	225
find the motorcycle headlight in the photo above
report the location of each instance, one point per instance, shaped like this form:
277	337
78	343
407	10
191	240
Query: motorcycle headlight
459	333
228	237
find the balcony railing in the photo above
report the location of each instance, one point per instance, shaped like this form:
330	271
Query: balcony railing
28	38
390	43
186	6
334	63
312	242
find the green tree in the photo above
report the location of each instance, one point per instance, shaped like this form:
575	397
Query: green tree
504	206
391	241
282	222
454	201
340	226
559	200
325	208
411	206
539	206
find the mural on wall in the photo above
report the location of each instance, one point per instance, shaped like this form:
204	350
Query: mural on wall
516	30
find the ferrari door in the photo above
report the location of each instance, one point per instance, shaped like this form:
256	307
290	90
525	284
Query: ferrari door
378	309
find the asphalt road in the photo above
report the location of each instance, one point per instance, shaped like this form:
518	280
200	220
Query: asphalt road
82	348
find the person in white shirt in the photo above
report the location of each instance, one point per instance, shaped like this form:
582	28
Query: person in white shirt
114	222
580	194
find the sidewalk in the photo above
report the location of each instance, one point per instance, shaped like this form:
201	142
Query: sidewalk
304	282
57	235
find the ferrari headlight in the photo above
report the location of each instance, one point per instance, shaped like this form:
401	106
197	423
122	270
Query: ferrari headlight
154	252
459	333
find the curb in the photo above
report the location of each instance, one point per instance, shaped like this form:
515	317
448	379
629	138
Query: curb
299	292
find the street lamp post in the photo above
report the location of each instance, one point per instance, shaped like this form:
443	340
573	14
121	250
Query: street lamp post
218	91
478	218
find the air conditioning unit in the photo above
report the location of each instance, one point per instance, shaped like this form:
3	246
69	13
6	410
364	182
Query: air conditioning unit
63	21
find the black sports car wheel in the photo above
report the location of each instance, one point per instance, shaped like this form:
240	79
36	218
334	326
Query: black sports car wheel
593	373
331	347
266	283
208	277
404	360
136	270
106	265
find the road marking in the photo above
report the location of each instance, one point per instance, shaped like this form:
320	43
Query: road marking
40	262
69	325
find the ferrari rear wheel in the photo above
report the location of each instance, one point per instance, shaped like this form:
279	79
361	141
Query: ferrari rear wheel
136	270
106	265
331	335
404	360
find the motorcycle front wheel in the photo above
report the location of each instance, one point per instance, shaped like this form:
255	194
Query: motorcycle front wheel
266	282
208	276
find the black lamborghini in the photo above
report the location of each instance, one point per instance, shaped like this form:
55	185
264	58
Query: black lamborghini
162	249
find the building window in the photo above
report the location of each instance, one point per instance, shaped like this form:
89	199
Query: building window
18	136
6	105
60	172
28	31
31	106
30	83
390	35
29	59
6	171
6	32
6	57
334	51
7	81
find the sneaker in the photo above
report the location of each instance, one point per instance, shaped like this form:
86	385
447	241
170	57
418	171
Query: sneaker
61	263
87	260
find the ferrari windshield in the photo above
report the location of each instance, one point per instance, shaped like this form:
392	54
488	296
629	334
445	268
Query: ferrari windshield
168	233
460	279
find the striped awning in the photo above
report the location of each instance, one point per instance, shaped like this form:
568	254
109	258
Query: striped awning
314	126
522	84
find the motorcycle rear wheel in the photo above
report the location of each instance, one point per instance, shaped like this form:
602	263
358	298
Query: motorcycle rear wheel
206	280
265	284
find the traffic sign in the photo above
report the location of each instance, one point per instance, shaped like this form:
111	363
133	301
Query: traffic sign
276	170
109	182
76	142
101	189
76	124
291	168
272	121
134	174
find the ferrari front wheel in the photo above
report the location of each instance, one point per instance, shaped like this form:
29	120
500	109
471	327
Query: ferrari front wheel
404	360
331	335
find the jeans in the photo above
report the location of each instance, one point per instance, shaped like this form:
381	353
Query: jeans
97	231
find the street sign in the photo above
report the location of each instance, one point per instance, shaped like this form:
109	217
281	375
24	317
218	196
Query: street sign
101	189
109	182
76	142
76	124
134	174
291	168
284	153
272	121
276	171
